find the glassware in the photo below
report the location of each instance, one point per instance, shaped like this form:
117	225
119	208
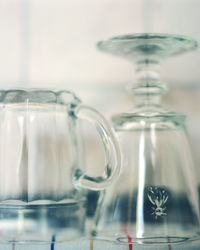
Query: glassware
155	200
42	182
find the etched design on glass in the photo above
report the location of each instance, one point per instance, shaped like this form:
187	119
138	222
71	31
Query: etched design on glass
158	197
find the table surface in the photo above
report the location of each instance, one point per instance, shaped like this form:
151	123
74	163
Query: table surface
87	244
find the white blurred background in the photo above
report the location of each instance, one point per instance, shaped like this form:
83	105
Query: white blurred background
51	43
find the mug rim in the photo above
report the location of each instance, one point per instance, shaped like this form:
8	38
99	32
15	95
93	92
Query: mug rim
39	95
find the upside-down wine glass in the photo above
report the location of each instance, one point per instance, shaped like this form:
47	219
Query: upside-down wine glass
155	200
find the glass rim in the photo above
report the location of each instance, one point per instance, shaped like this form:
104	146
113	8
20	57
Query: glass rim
39	96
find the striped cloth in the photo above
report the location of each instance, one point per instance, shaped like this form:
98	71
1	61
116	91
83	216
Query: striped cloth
86	244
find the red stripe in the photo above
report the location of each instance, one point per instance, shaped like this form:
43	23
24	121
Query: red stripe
129	240
13	246
169	245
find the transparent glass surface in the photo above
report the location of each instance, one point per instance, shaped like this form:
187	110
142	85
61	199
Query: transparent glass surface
147	46
42	171
155	201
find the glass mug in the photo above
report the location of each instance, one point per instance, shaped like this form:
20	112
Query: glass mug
42	184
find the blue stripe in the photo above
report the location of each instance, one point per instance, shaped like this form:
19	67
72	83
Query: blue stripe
53	242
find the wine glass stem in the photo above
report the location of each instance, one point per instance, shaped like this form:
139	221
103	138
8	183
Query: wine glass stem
148	100
148	71
149	88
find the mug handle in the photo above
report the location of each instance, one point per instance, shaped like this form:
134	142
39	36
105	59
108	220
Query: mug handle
111	147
